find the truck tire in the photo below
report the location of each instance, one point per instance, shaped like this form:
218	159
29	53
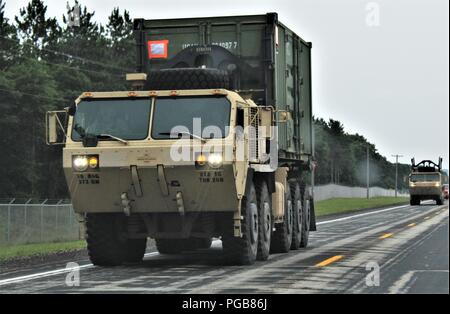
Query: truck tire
203	243
282	236
105	239
170	246
439	201
414	201
135	250
243	251
297	215
187	78
306	219
265	219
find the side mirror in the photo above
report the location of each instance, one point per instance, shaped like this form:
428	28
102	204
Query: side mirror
72	109
52	135
55	131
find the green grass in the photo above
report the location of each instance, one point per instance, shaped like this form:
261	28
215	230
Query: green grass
23	250
340	205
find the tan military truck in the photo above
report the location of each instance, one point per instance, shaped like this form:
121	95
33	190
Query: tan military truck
425	182
213	140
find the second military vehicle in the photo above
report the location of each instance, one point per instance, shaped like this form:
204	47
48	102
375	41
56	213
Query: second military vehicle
425	182
214	139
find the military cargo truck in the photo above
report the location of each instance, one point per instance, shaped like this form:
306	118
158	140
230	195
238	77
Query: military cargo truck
213	140
426	181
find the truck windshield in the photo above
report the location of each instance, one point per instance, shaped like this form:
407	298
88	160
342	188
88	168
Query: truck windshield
205	117
429	177
127	119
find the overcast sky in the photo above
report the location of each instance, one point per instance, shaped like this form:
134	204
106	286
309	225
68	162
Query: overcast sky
387	82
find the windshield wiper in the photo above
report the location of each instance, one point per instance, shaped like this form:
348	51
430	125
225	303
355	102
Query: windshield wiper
85	135
80	130
187	133
112	137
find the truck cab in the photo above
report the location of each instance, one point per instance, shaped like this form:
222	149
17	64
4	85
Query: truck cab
197	149
425	182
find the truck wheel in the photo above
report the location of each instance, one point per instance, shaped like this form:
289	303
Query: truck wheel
306	219
414	201
105	239
265	219
203	243
187	78
282	236
297	215
243	251
135	250
170	246
439	201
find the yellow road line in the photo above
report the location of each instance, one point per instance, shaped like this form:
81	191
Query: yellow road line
329	260
386	235
412	224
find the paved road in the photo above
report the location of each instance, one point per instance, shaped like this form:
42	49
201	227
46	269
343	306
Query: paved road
401	249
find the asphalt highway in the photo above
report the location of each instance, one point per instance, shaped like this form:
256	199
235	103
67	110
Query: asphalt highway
401	249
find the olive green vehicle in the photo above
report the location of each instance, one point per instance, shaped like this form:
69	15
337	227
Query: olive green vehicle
426	182
213	140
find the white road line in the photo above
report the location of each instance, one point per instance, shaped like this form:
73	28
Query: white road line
361	215
404	283
52	273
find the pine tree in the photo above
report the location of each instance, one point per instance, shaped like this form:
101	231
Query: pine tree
36	29
89	45
121	42
9	44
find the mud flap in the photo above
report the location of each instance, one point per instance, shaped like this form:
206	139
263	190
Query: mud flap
312	222
237	231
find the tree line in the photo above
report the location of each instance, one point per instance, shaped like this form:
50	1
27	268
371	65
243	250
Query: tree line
45	65
342	159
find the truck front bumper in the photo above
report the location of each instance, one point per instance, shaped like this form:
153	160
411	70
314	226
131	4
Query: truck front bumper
153	189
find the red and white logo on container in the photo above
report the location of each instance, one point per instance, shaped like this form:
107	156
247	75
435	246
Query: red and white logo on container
157	49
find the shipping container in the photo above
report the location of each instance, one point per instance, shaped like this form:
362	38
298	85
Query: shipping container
266	60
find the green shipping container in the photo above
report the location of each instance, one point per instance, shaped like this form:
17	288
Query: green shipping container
265	58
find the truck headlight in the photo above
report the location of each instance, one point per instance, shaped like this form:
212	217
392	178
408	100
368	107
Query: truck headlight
215	160
437	184
80	163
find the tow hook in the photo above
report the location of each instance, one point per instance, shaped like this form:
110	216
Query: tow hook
126	203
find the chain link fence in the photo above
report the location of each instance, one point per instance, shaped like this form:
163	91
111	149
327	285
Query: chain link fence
37	221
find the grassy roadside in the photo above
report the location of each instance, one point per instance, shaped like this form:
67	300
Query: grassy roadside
340	205
25	250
